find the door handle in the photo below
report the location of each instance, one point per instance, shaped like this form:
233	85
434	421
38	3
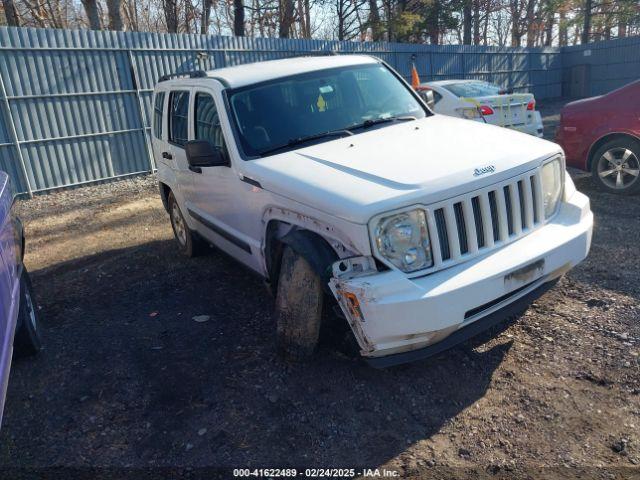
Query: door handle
167	156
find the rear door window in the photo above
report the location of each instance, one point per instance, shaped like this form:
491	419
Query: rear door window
157	115
179	117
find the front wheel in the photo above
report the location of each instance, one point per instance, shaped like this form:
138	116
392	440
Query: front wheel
298	307
27	340
616	166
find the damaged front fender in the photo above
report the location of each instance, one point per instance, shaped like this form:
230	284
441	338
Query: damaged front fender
350	298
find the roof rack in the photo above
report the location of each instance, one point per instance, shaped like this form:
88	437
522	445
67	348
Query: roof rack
192	74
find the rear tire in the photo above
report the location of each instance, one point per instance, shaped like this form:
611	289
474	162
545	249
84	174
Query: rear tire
27	340
615	166
299	302
189	242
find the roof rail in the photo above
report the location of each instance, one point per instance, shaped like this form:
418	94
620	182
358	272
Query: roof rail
192	74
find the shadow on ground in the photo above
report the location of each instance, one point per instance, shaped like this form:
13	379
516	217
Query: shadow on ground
138	382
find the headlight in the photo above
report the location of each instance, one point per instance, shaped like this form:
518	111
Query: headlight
403	240
551	186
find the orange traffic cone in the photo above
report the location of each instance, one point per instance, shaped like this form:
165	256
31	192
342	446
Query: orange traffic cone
415	79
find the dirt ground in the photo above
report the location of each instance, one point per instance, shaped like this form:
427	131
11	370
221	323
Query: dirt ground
129	381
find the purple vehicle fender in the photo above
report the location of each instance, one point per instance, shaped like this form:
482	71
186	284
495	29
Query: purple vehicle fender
10	270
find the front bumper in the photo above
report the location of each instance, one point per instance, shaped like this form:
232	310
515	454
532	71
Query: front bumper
391	314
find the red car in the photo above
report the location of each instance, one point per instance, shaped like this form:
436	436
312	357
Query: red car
602	135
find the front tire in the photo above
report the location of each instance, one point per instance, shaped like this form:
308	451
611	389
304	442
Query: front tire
27	340
298	307
189	243
615	167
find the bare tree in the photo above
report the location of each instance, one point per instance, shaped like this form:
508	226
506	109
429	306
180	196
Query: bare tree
170	8
93	14
11	14
466	22
586	26
115	14
206	17
130	15
377	33
238	18
286	18
476	22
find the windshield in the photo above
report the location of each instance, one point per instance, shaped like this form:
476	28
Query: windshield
319	106
474	89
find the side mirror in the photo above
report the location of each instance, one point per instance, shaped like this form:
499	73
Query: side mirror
428	97
201	153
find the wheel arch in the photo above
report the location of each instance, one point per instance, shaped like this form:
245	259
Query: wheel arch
165	190
310	245
604	139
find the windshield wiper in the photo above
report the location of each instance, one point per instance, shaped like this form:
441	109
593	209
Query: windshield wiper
308	138
377	121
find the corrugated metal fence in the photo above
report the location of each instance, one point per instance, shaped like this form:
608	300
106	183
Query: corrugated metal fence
601	67
74	105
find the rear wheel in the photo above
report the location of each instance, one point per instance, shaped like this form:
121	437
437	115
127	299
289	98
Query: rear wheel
189	243
27	339
616	166
299	302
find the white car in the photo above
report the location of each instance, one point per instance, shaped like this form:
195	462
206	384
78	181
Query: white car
487	103
331	178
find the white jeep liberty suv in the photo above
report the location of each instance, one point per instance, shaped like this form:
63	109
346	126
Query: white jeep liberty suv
331	177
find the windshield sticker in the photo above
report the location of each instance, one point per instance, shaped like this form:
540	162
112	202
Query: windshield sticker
326	89
322	105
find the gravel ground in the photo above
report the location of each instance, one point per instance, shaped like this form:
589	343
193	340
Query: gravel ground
128	379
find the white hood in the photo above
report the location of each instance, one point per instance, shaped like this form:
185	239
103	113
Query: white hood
422	161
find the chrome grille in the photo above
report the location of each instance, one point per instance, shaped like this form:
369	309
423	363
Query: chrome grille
484	219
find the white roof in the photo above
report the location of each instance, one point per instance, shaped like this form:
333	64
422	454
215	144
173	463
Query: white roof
251	73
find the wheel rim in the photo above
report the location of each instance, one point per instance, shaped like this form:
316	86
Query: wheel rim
179	226
619	168
31	310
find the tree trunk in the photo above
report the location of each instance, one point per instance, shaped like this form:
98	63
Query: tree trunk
532	23
485	28
170	8
115	14
433	25
374	21
516	34
549	25
586	29
388	13
10	12
467	20
563	33
302	20
476	22
466	23
340	17
307	19
286	18
622	29
238	18
206	17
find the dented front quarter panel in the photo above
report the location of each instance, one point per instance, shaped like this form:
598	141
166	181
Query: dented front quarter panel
346	238
352	298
